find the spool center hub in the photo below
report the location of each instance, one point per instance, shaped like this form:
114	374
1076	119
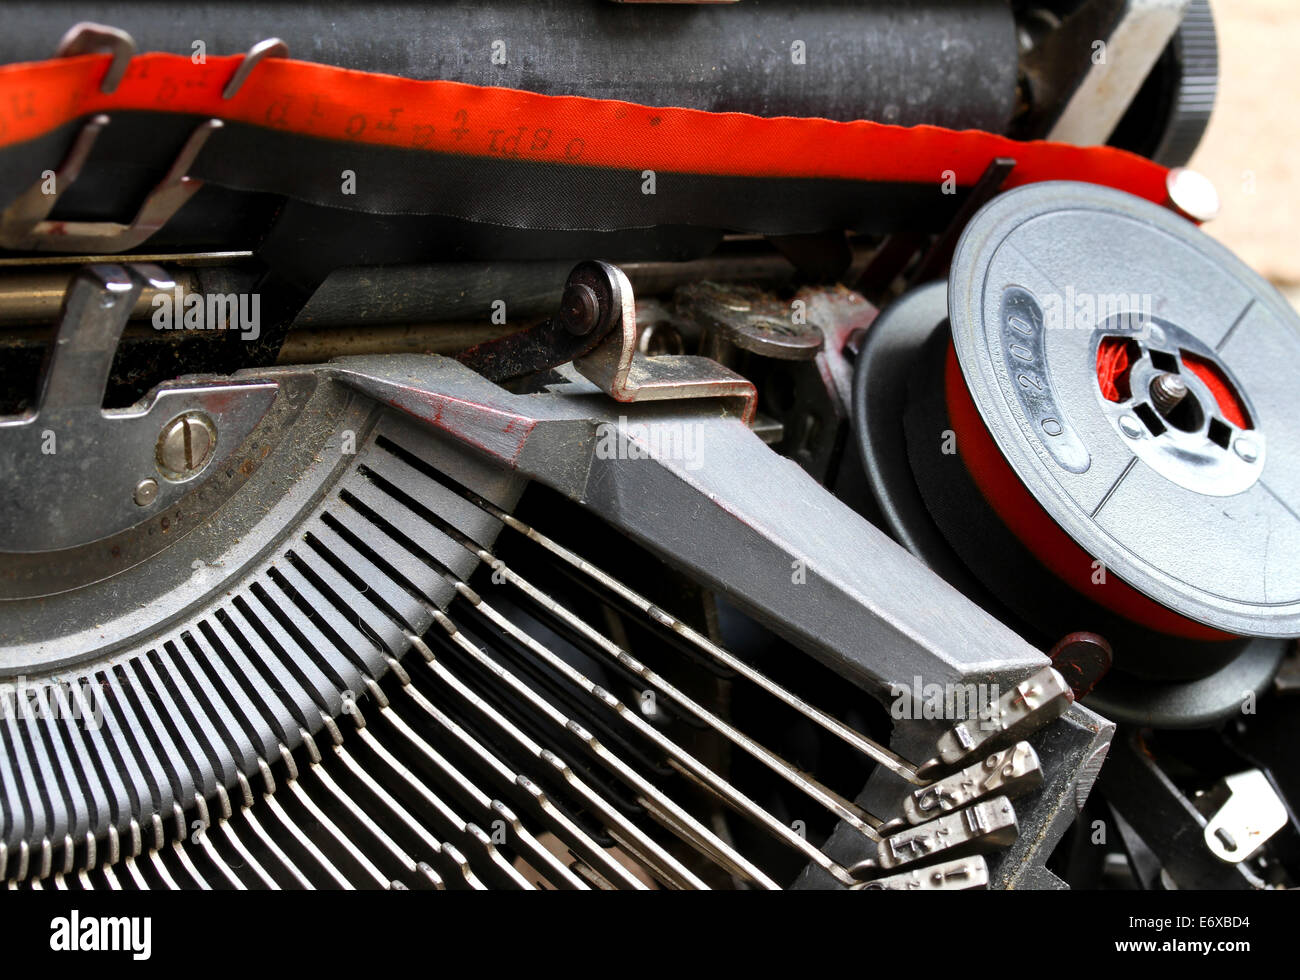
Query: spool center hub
1178	407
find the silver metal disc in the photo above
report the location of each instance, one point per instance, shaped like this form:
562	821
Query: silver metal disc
1194	510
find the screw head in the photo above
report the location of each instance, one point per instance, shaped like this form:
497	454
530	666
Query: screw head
146	492
1131	427
1246	449
579	308
185	445
1168	391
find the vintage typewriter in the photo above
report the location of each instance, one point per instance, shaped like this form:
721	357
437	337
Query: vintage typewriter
567	444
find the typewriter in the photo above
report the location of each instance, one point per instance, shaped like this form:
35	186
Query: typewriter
570	444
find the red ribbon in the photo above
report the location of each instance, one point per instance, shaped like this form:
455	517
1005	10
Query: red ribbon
450	117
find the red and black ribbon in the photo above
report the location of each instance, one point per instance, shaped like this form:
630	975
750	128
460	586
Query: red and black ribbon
521	160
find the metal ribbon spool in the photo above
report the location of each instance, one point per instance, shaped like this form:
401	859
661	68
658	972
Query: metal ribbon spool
1113	386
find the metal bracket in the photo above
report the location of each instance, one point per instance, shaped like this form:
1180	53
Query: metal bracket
596	329
1250	812
89	37
620	370
591	305
1165	820
72	472
272	47
25	224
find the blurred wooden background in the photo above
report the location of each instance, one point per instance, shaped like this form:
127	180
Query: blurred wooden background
1252	148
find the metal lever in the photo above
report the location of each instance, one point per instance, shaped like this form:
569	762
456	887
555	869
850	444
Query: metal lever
984	827
959	875
1029	705
1010	773
95	311
25	224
